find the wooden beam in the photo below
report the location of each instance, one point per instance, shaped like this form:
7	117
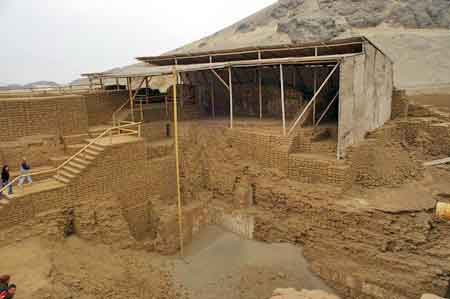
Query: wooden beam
326	109
230	82
282	99
220	78
117	84
437	162
313	99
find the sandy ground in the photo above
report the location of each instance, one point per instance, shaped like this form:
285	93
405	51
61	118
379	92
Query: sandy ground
222	265
219	265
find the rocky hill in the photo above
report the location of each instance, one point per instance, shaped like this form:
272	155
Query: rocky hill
414	33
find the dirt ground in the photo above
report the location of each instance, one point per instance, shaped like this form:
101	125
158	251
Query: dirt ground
217	265
78	269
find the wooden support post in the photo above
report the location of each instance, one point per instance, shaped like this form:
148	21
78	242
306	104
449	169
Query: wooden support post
177	162
313	99
167	107
282	99
101	84
147	87
213	100
90	84
230	84
260	93
117	84
315	90
130	95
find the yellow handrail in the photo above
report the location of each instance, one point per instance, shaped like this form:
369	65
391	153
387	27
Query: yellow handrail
118	110
108	131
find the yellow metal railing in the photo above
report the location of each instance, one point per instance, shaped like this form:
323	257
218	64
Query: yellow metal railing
110	132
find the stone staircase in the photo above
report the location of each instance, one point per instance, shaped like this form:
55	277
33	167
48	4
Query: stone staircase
75	167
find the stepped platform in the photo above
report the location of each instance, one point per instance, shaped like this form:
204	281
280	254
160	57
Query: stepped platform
106	141
36	187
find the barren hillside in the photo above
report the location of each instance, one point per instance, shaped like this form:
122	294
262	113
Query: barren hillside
414	33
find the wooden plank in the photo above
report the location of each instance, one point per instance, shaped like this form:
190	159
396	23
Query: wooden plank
326	109
437	162
220	79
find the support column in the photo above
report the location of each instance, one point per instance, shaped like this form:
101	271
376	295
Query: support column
260	93
230	84
315	90
147	87
90	84
101	83
177	161
117	84
213	95
282	99
130	94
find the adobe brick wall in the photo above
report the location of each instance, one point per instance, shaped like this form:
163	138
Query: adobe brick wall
37	150
108	198
314	170
60	115
101	106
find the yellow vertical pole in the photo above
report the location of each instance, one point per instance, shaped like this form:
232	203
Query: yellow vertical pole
177	160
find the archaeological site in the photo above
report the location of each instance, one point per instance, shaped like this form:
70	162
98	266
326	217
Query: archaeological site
290	170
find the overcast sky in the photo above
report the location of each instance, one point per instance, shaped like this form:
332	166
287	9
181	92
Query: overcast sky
57	40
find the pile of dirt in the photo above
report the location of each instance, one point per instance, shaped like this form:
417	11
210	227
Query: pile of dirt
79	269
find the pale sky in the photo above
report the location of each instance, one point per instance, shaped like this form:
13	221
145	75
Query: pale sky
57	40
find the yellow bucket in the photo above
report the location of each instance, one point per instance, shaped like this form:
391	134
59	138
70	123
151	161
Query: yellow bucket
443	210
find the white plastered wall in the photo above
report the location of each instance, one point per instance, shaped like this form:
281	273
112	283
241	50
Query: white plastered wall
366	83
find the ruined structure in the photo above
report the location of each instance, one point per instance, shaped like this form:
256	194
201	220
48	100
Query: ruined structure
306	144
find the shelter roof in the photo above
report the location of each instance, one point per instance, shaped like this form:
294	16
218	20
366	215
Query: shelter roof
151	70
332	47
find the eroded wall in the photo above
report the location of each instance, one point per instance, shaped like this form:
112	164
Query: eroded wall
59	115
366	84
102	105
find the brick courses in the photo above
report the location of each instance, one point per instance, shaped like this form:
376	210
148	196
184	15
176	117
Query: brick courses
60	115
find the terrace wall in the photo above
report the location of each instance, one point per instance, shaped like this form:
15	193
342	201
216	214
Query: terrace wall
101	106
59	115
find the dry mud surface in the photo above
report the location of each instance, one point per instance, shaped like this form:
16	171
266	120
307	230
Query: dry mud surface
222	265
217	265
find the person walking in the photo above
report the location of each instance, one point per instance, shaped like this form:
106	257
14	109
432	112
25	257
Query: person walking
5	180
24	170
